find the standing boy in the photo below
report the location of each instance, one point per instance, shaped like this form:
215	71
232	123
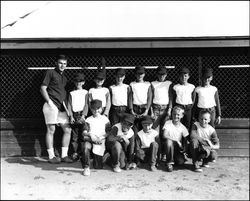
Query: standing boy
121	143
162	101
140	96
101	93
78	110
184	95
175	139
204	141
94	138
147	143
54	94
207	98
119	93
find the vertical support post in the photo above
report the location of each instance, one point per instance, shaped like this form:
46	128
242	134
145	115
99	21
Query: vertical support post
200	68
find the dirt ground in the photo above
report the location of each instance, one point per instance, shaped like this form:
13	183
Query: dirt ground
35	179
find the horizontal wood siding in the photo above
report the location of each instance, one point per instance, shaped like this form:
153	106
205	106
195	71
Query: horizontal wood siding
26	137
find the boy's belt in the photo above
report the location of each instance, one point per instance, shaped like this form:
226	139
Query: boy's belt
186	107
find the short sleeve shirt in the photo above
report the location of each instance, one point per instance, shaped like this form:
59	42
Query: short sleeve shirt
140	92
206	96
206	133
147	138
174	132
100	94
184	93
78	99
161	90
55	82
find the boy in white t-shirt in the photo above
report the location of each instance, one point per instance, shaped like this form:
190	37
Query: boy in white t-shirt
94	138
207	98
78	110
162	102
184	95
175	139
121	143
101	93
119	93
147	144
203	141
140	97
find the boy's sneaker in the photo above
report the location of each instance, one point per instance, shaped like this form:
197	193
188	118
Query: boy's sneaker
75	157
153	168
205	165
131	166
54	160
117	169
213	161
197	168
86	171
170	168
67	159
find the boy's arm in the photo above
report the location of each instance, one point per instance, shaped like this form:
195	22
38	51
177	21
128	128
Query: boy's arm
218	108
131	101
128	96
112	137
196	98
214	141
70	109
108	104
86	108
171	95
193	97
149	100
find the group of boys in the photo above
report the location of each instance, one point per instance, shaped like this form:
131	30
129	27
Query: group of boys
135	123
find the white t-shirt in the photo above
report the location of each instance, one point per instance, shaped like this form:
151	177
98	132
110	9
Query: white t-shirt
129	134
174	132
100	94
161	92
206	96
97	125
78	99
204	133
184	93
147	138
119	95
140	92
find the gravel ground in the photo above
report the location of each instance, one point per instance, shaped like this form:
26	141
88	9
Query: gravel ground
35	179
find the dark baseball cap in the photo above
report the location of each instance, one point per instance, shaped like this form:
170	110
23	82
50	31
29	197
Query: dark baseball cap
79	77
184	70
208	72
139	69
96	104
120	71
161	70
62	57
128	118
147	120
100	75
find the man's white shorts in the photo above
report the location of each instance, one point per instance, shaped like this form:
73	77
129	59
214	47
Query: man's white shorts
53	116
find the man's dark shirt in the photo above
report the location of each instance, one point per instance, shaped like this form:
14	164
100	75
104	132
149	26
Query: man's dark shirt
55	82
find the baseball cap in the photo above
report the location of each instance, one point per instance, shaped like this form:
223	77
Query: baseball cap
139	70
100	75
96	104
128	118
79	77
147	120
208	72
161	70
120	71
184	70
62	57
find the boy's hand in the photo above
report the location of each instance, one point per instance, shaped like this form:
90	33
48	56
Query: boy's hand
125	140
218	120
71	120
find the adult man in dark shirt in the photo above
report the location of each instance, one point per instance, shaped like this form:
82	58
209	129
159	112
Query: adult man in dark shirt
54	109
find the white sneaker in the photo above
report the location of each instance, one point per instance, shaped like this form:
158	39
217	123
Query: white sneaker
132	166
86	171
117	169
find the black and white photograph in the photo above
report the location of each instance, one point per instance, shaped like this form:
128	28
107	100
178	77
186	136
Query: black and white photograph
125	100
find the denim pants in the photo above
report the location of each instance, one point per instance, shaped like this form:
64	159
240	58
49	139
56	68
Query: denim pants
172	151
147	154
116	113
139	109
122	153
201	150
187	118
